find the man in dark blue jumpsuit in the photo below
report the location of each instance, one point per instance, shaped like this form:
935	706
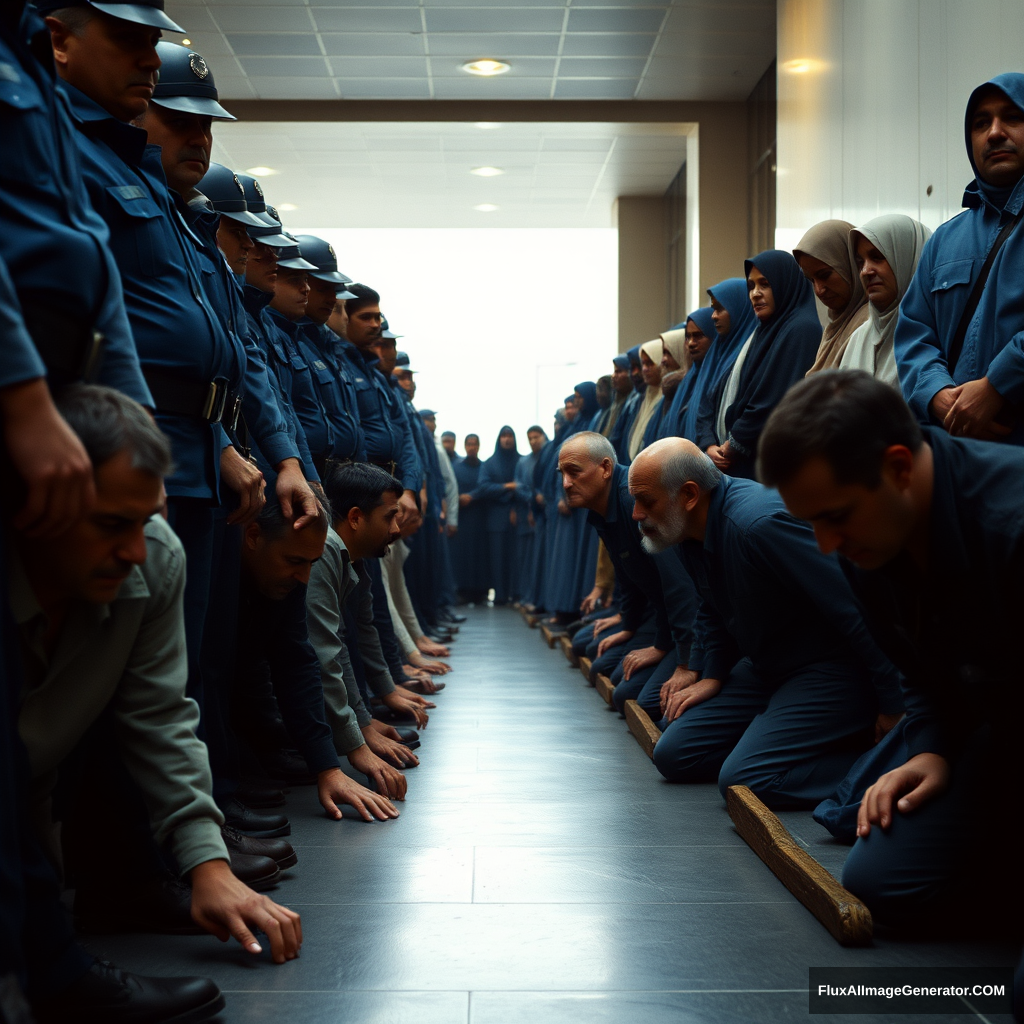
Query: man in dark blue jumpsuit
786	687
931	533
656	592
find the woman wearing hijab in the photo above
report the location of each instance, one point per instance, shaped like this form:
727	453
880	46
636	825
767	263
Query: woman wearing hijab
497	490
622	391
734	322
469	545
699	331
624	425
827	262
886	251
572	552
778	353
650	363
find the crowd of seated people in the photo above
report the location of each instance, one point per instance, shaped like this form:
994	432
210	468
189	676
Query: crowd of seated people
234	548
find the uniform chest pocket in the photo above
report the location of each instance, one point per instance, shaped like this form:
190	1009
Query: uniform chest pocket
949	275
325	376
141	223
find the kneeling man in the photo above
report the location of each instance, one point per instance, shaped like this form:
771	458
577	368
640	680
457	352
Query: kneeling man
785	686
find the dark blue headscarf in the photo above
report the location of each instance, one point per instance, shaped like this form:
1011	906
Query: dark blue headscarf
792	292
621	362
1012	84
633	355
502	464
690	389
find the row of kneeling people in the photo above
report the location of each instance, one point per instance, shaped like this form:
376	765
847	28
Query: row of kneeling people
226	525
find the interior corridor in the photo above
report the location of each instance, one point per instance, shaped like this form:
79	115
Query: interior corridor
540	871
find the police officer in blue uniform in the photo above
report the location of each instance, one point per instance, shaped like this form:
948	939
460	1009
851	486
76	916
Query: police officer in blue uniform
53	242
317	344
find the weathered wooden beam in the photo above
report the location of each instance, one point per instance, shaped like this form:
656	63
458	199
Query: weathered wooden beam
644	731
605	687
585	664
846	918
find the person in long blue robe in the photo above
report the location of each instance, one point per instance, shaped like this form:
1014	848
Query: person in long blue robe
497	490
572	556
469	548
699	320
527	517
624	423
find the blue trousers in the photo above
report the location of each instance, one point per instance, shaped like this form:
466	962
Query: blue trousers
791	743
611	661
935	857
645	685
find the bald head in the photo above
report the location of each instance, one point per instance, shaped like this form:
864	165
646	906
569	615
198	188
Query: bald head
671	482
587	462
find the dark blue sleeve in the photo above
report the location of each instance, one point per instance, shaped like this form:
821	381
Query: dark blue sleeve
787	547
680	603
491	488
295	672
410	471
20	362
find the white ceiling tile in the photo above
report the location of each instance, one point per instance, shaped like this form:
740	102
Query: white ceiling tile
644	19
502	45
294	88
506	18
601	67
285	67
384	88
382	68
372	44
607	44
344	19
595	88
510	89
262	19
275	44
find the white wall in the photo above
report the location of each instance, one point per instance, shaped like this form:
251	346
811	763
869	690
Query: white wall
491	317
877	117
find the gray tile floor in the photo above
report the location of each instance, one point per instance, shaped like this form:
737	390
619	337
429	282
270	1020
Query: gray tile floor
540	872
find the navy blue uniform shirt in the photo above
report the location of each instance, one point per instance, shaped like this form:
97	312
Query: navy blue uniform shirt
768	594
52	239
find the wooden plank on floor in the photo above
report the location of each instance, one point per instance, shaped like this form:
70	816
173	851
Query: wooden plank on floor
585	664
532	620
605	687
550	635
644	731
570	654
846	918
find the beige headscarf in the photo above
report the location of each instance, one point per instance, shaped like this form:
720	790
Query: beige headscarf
829	242
675	345
654	350
899	239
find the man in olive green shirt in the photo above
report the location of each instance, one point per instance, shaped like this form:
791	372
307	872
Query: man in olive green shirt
99	610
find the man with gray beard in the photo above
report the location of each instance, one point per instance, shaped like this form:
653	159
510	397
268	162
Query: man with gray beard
785	688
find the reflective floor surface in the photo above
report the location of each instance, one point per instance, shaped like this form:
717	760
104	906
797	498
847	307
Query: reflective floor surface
540	871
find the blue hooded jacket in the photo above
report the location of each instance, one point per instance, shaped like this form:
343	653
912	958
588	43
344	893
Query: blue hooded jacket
950	264
699	423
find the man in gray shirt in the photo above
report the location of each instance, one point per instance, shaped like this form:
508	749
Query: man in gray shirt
99	611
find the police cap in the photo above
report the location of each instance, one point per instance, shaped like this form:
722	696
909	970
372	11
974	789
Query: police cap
141	12
221	186
320	252
186	83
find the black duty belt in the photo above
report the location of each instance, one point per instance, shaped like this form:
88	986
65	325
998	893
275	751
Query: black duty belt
215	402
388	464
66	342
325	463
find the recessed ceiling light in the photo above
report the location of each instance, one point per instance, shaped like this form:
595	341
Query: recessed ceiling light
485	208
186	42
260	172
287	207
486	67
487	172
488	124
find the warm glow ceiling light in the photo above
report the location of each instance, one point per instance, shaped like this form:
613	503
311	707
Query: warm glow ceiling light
801	66
186	42
487	67
260	172
487	172
488	124
485	208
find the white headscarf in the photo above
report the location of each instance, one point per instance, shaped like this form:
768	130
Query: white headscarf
900	240
654	350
